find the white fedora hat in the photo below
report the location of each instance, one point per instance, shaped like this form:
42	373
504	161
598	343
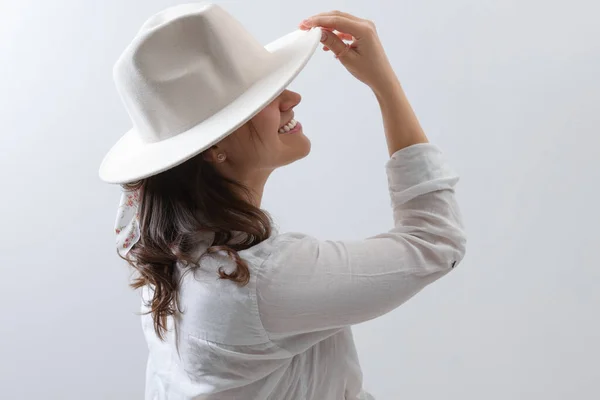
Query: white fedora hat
191	76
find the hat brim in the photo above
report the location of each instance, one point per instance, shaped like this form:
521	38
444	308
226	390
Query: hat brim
131	159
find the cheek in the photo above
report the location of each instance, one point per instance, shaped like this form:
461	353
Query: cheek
267	123
265	134
262	136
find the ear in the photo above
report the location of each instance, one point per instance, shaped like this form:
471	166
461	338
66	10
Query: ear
210	154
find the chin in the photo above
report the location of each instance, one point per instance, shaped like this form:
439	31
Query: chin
304	149
300	151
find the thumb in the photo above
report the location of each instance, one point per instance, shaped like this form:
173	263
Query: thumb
333	42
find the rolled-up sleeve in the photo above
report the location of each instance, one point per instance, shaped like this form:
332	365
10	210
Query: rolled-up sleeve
310	285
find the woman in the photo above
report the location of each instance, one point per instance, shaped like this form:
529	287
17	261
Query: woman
233	309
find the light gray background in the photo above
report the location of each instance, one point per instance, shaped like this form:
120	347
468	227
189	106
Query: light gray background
508	89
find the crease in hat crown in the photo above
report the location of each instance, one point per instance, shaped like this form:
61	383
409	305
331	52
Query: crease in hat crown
185	64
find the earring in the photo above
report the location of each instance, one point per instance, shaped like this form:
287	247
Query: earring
221	157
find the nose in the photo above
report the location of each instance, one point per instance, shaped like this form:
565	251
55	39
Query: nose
290	100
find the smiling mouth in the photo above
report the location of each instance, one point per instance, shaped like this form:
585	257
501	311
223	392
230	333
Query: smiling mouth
290	126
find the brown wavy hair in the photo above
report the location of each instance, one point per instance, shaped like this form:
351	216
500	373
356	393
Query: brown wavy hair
177	207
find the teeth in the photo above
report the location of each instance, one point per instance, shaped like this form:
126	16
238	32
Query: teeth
289	126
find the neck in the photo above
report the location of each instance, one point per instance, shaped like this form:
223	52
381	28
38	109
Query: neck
254	179
255	182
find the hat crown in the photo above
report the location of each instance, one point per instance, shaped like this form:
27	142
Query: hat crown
185	64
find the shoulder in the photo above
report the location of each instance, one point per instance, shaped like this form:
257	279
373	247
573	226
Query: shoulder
288	245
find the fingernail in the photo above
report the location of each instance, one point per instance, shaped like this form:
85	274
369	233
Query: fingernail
323	34
306	22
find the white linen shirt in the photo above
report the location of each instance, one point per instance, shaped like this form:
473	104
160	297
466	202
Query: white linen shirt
286	335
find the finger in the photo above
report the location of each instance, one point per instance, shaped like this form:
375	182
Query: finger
357	29
334	43
344	36
341	35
